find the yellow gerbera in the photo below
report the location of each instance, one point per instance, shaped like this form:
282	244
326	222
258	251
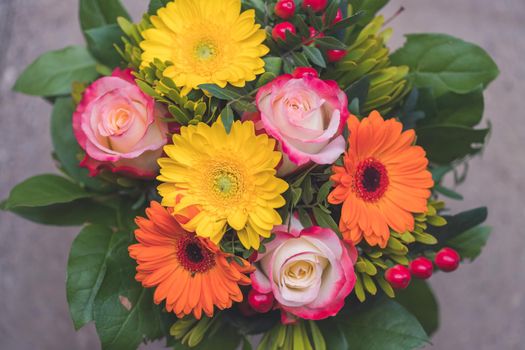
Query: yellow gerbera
207	42
224	179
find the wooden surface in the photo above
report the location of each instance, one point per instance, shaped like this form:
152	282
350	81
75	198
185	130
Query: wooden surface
483	304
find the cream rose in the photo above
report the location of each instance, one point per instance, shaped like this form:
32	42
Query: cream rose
309	271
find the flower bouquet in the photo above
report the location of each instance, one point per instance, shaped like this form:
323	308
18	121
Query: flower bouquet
264	174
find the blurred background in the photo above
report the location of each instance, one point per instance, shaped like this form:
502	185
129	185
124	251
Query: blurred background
482	304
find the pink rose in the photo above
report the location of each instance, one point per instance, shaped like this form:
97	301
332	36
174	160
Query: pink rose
119	127
306	115
309	271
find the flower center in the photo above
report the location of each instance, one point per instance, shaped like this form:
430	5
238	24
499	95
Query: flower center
194	256
205	50
226	181
370	180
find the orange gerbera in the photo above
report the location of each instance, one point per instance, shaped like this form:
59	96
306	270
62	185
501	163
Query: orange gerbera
383	181
191	273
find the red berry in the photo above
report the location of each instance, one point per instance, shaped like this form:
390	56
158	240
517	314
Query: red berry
260	302
301	72
421	268
314	34
338	17
447	259
335	55
398	276
316	5
253	257
279	31
285	8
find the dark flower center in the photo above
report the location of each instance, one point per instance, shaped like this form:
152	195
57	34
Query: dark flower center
370	180
194	256
194	252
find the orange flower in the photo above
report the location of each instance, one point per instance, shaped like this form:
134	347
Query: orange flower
383	181
189	272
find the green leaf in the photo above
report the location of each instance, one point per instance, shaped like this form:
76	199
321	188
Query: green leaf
124	311
369	8
222	336
420	301
383	325
101	41
265	78
53	73
333	335
470	243
43	190
86	268
456	109
66	146
358	91
75	213
273	65
329	43
446	63
447	192
325	220
226	93
445	143
98	13
457	224
227	118
314	55
155	5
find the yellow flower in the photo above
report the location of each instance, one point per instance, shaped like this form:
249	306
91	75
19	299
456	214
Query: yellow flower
208	41
224	179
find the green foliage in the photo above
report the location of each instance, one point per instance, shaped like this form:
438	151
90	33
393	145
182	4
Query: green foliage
75	213
446	64
420	301
304	335
86	269
459	223
66	148
445	143
99	13
207	333
373	261
184	109
155	5
44	190
101	43
123	310
369	8
470	243
366	72
53	73
382	325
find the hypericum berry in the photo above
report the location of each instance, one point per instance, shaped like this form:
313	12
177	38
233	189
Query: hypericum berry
338	17
279	31
285	8
447	259
314	34
253	257
398	276
260	302
421	268
335	55
316	5
301	72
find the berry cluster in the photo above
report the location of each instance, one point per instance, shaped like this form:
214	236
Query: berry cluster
286	9
399	276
